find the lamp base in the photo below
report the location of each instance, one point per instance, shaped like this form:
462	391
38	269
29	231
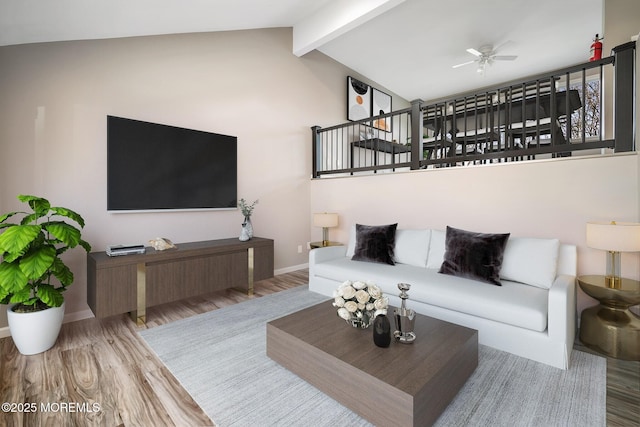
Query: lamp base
613	282
612	278
325	236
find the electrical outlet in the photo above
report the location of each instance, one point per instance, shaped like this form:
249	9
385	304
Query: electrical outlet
299	249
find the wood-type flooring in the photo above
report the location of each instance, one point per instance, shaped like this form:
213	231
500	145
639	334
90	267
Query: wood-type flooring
101	373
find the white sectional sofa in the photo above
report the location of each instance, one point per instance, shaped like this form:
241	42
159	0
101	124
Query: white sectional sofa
532	314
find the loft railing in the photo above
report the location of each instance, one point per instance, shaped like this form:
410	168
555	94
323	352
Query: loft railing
550	115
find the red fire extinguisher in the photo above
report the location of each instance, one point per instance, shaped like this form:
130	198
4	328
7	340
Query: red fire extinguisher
596	49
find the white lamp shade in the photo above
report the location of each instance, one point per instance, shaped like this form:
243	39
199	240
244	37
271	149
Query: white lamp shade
614	236
325	219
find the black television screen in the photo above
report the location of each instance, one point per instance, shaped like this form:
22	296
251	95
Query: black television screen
153	167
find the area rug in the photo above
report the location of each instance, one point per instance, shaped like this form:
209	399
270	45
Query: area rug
219	357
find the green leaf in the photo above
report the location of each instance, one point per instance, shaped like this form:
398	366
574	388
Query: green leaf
64	232
6	216
34	264
68	213
5	297
39	205
31	218
62	272
15	240
50	295
12	279
85	245
22	297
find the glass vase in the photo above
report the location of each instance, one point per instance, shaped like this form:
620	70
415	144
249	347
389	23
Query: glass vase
361	319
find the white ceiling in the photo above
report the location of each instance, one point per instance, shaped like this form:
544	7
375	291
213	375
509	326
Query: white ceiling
407	46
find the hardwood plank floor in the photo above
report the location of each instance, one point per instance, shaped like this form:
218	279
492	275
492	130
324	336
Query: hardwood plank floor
104	368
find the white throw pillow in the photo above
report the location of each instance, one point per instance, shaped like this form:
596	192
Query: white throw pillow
412	247
351	246
437	247
531	261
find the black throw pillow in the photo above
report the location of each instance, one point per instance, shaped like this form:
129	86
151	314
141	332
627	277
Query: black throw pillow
476	256
375	243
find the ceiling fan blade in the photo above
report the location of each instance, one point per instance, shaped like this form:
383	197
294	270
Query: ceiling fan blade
474	52
504	57
502	45
463	64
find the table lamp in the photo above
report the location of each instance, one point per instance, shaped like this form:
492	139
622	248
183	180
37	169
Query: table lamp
613	237
325	220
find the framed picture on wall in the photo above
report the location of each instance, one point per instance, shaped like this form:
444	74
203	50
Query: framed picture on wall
358	99
381	104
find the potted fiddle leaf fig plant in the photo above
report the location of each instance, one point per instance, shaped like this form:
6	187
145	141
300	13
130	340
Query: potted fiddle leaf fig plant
33	276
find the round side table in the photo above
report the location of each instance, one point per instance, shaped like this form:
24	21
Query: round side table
610	327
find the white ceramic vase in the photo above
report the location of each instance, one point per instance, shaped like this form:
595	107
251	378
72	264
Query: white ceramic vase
35	332
247	230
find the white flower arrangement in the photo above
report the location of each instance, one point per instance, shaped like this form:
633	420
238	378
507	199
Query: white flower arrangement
360	300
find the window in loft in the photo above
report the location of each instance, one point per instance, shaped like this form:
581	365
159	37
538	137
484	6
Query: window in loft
589	117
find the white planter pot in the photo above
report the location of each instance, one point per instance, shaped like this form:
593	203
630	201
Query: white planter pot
35	332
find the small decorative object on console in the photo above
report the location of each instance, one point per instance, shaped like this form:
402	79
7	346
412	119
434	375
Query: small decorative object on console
247	228
382	331
161	244
359	302
405	318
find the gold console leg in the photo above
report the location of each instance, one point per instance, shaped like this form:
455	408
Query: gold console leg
250	269
140	314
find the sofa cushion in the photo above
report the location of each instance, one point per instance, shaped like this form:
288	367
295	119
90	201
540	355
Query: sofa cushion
412	247
351	245
512	303
472	255
531	261
437	246
375	243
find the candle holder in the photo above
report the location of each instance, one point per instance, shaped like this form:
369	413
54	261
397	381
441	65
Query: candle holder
404	317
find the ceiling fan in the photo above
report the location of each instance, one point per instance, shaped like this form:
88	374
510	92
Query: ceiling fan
485	55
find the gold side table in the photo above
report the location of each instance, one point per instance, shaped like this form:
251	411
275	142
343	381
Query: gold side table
610	327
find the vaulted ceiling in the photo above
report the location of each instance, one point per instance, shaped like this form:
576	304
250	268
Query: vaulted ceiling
406	46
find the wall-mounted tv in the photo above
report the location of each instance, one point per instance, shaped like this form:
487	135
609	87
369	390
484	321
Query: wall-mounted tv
160	167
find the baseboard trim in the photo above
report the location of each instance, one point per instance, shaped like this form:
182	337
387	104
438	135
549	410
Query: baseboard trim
68	318
290	269
78	315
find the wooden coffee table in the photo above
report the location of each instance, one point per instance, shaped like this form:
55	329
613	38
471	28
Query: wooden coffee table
402	385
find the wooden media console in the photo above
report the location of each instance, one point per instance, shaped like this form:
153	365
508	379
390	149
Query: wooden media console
131	283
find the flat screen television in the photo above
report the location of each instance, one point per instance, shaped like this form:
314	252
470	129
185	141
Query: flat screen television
160	167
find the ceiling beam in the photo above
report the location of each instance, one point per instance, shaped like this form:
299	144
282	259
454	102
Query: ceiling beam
334	19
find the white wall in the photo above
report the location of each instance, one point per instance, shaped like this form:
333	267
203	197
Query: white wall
54	99
548	199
